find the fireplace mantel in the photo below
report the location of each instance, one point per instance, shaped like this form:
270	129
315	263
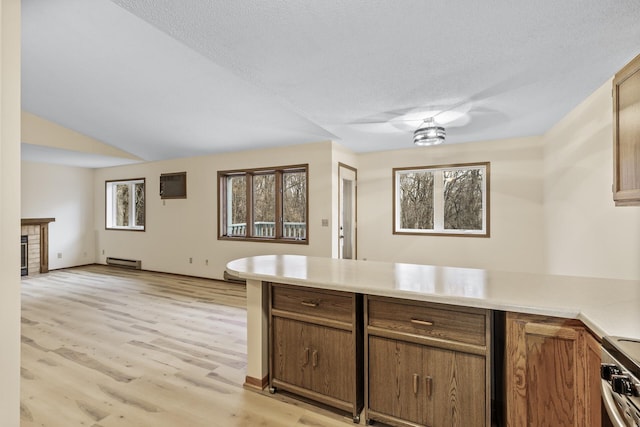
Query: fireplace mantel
36	221
43	225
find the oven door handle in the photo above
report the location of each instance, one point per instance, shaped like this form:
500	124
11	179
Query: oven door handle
610	405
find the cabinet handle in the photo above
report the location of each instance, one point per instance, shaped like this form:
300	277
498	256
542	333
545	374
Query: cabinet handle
416	378
309	303
421	322
429	384
315	358
306	357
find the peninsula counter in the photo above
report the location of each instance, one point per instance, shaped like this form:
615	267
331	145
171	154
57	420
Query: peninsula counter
604	306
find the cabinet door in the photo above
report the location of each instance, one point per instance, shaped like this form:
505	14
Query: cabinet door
547	373
291	352
457	394
395	379
317	358
626	135
333	362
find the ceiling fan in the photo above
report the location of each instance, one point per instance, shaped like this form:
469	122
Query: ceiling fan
426	123
429	133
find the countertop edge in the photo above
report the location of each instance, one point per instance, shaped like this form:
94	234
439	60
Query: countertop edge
584	314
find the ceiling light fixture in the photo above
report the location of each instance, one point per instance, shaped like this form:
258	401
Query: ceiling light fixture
429	133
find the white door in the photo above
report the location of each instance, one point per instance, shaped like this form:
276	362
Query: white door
347	210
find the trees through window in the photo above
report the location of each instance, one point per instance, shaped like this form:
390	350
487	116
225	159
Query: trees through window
124	207
442	200
264	204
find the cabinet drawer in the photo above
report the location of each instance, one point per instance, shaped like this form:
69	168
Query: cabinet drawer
428	320
326	304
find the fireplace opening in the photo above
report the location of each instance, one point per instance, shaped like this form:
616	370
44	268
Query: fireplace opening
24	257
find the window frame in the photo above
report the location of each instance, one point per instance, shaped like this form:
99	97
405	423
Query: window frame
130	182
485	232
279	172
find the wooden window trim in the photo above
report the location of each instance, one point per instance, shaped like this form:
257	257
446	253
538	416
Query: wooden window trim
487	180
279	172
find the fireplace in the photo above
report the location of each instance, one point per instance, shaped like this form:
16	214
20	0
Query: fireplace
36	257
24	256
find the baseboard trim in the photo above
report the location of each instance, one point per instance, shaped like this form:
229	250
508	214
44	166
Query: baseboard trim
256	383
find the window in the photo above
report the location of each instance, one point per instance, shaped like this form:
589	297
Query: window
125	204
268	204
442	200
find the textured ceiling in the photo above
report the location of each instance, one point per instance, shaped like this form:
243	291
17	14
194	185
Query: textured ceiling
164	79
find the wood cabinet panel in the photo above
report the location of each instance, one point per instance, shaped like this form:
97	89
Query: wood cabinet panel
395	379
423	382
314	357
626	134
426	385
593	397
316	345
427	320
551	374
458	389
291	352
326	304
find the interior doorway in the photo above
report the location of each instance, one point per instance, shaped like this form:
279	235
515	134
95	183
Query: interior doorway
347	212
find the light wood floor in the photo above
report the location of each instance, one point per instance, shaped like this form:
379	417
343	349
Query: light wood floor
104	347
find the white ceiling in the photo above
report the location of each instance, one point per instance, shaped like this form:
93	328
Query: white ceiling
165	79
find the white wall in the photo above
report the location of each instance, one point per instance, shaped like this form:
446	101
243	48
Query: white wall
516	242
66	194
177	230
9	213
586	234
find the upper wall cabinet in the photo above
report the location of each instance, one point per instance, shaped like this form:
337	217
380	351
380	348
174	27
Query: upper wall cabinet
626	135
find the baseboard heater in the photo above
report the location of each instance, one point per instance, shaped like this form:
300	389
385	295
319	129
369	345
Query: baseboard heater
126	263
232	278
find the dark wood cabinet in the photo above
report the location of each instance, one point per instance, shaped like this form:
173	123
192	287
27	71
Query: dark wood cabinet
552	372
626	135
316	345
427	364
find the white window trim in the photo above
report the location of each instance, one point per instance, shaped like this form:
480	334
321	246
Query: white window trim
110	205
438	202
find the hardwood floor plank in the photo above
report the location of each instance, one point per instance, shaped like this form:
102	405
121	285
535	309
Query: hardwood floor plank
91	363
107	347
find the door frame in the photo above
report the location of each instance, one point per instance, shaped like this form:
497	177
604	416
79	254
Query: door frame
355	209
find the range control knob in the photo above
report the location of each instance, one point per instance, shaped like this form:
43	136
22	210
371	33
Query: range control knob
622	385
607	370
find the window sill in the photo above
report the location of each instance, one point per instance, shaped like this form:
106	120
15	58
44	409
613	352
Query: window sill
264	240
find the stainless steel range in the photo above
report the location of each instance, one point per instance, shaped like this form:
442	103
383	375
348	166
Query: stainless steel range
620	374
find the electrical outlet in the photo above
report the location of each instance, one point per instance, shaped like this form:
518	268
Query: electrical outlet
206	262
59	255
190	260
103	252
325	222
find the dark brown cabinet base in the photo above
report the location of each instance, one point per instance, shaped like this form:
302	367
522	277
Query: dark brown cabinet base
316	346
426	364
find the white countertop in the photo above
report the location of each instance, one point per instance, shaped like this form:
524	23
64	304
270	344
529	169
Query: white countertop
606	306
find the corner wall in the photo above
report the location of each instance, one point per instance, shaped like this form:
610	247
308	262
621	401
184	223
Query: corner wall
66	194
586	234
